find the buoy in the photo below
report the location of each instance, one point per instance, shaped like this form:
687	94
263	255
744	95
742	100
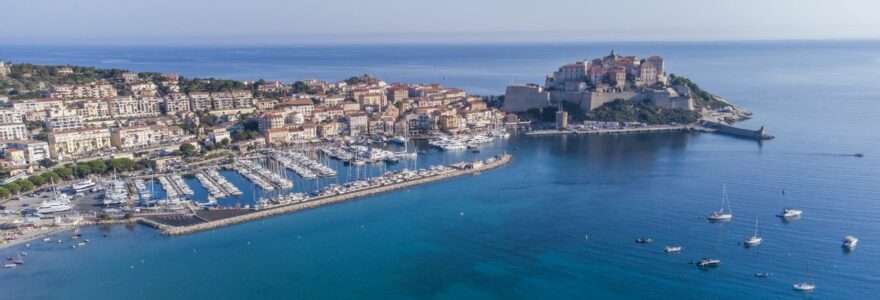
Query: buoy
362	226
461	214
132	267
586	236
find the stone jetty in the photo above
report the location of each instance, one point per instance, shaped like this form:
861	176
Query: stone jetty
201	225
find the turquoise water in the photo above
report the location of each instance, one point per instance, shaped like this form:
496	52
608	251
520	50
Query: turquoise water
518	232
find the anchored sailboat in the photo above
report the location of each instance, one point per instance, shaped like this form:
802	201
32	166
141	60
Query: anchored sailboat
755	239
722	215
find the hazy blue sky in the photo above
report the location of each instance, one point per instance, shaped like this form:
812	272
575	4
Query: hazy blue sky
369	21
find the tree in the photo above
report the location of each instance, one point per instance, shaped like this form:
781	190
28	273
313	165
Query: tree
187	150
224	142
37	180
83	170
145	164
25	185
51	176
4	192
47	163
13	187
64	172
98	166
42	136
122	164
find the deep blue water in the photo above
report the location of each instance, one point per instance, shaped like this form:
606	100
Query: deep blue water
518	232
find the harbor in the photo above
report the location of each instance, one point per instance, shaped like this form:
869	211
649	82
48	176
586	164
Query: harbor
234	216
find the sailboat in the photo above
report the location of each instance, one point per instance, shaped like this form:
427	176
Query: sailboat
805	286
58	202
18	261
722	215
755	239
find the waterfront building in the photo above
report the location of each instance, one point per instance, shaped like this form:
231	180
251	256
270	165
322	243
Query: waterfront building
561	119
74	143
271	120
356	123
303	106
218	134
132	137
328	129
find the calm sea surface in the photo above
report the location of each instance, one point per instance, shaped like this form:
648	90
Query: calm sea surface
519	232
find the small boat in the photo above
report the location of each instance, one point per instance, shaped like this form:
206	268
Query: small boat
18	261
859	155
763	275
850	242
708	262
804	287
790	213
722	215
644	240
9	266
672	249
475	151
755	239
47	240
9	258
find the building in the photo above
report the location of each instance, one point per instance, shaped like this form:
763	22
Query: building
95	90
129	77
303	106
32	151
11	116
176	102
328	129
222	101
145	136
64	122
242	99
91	110
144	89
200	101
561	119
128	107
13	132
74	143
356	123
271	120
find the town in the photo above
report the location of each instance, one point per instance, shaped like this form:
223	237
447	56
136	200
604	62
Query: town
84	145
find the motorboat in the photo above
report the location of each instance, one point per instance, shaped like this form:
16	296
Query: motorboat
850	242
644	240
83	185
763	274
708	262
804	287
790	213
672	249
722	215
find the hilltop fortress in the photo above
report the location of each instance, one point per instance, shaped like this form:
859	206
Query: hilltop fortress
592	83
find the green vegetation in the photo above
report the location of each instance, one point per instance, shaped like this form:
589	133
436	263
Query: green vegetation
73	171
702	98
250	130
621	110
187	150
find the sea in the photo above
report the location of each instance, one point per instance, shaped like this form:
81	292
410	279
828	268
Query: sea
559	222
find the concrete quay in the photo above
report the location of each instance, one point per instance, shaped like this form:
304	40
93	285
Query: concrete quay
237	216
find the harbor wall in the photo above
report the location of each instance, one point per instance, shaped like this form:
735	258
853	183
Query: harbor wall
759	134
317	202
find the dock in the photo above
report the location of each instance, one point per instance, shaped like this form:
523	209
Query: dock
183	224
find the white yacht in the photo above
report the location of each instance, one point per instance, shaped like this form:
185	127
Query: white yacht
755	239
850	242
83	185
672	249
708	262
58	203
398	139
722	215
804	287
790	213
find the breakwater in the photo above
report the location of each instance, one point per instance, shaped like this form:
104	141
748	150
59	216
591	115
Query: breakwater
201	225
759	134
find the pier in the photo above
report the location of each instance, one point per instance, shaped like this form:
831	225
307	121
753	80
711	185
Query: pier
226	217
759	134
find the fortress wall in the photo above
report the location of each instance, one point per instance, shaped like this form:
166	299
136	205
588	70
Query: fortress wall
521	98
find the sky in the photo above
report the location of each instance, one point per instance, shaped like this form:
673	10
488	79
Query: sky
267	22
